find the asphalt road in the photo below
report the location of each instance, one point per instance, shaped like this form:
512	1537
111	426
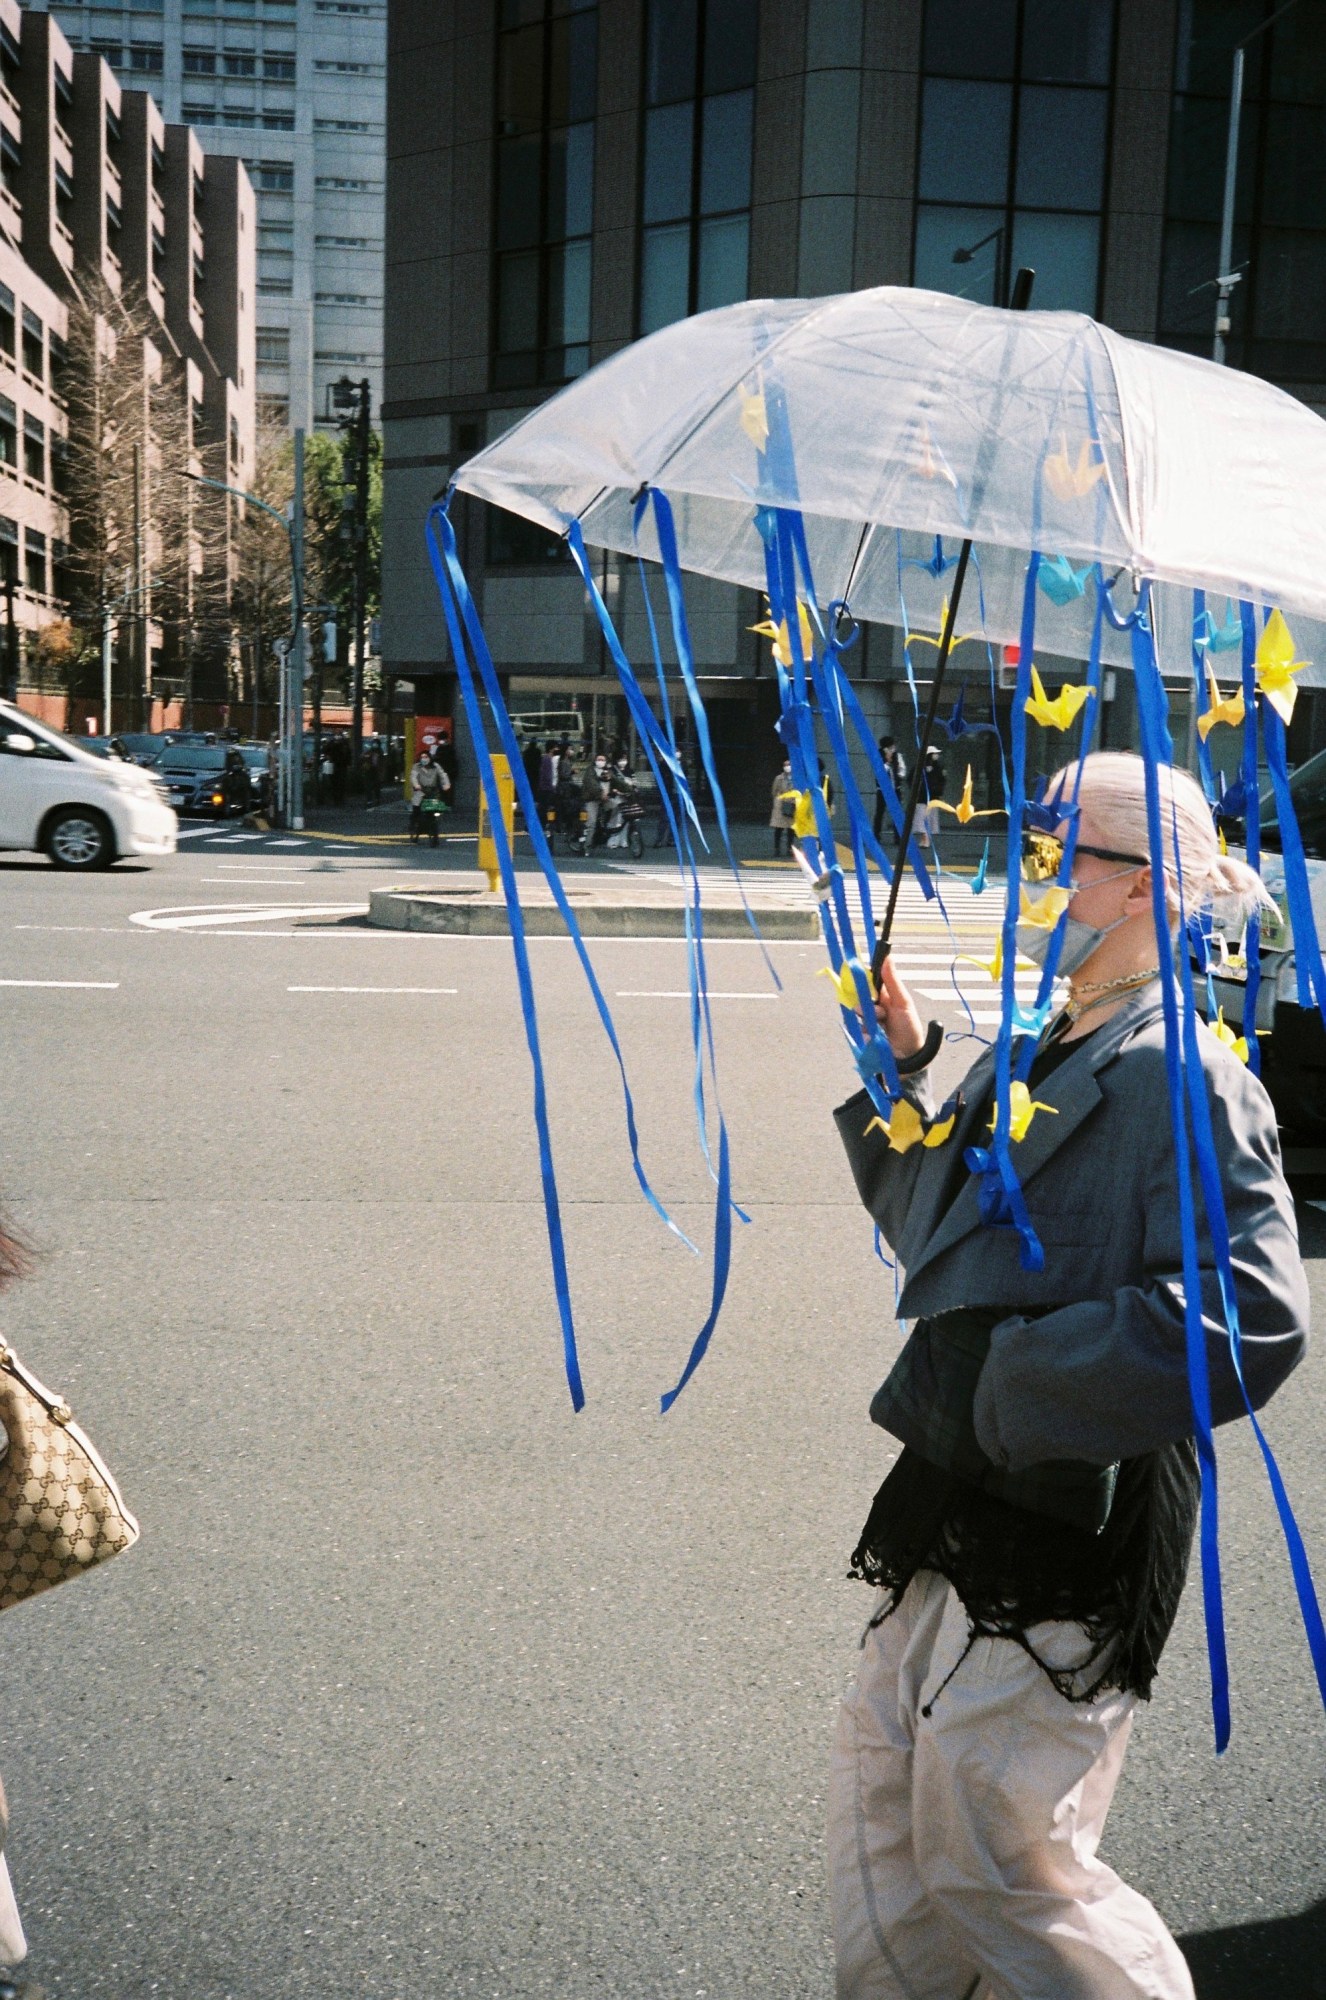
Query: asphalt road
418	1684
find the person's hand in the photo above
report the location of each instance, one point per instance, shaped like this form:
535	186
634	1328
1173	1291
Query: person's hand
895	1010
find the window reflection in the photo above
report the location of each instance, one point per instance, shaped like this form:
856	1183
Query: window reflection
547	79
696	169
1014	141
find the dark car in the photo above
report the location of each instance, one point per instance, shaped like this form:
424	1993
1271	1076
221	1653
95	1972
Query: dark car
197	781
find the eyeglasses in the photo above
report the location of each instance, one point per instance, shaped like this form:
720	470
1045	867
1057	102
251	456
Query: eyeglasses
1043	856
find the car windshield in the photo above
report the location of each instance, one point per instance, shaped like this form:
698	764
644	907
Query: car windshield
195	757
1307	789
254	756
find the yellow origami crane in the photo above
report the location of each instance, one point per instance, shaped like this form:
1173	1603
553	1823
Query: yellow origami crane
925	639
1276	666
778	633
754	418
803	819
928	466
1021	1110
994	966
1224	1033
906	1126
1043	912
1059	713
844	985
1224	708
964	810
1068	481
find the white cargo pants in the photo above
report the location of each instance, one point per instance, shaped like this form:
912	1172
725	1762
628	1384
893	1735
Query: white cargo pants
962	1843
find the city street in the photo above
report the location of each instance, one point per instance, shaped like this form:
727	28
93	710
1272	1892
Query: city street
418	1684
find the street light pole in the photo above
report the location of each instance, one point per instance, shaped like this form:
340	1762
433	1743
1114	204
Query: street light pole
361	566
1227	278
295	659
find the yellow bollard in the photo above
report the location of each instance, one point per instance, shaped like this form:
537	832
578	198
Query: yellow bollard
506	795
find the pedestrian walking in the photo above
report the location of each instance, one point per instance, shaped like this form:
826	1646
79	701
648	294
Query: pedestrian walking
372	766
783	807
546	788
896	765
594	793
429	785
532	758
933	782
1031	1541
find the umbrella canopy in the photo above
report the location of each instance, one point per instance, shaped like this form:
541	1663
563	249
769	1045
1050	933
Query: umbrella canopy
892	416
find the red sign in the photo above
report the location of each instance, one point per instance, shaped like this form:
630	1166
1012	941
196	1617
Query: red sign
429	731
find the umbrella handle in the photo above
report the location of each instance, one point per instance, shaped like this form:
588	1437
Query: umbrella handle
934	1037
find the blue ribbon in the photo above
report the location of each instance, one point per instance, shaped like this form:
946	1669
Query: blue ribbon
437	522
1252	838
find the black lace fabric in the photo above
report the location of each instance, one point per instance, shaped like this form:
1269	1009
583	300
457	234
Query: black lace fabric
1013	1569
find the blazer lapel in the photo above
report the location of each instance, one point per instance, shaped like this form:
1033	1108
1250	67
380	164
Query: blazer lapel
1070	1094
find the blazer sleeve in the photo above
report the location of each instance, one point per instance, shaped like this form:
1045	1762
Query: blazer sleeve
884	1178
1108	1379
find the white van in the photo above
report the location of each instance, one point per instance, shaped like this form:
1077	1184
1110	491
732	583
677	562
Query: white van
82	811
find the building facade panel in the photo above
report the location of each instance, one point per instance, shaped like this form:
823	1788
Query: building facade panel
937	142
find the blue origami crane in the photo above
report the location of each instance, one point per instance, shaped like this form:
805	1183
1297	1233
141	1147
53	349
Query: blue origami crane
1060	581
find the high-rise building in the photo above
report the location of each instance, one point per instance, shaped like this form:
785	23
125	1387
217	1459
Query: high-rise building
296	89
106	207
563	176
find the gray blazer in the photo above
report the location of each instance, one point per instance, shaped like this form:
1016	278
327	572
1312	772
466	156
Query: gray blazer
1103	1374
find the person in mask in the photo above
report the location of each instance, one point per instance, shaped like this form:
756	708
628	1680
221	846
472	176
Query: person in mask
1031	1540
594	792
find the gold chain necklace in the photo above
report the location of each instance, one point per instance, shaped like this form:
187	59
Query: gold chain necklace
1107	990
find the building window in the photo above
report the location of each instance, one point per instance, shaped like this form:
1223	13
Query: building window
112	51
346	243
146	58
272	176
34	450
547	80
64	196
278	69
1014	144
199	114
59	463
59	351
275	288
1278	308
8	432
34	354
278	121
273	409
34	564
7	324
200	62
343	185
344	125
11	160
240	65
272	345
325	68
695	189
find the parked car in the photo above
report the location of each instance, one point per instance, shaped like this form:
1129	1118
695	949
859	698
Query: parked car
142	746
197	780
81	810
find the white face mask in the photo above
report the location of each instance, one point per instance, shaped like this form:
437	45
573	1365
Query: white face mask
1080	940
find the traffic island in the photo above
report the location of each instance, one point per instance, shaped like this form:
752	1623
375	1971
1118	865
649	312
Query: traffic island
606	908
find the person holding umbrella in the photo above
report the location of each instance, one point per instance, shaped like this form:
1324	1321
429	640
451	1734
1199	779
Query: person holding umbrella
1031	1540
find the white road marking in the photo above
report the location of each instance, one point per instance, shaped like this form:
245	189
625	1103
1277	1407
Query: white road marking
372	989
189	917
79	985
192	832
289	843
711	995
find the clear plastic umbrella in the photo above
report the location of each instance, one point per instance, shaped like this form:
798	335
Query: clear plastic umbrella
916	415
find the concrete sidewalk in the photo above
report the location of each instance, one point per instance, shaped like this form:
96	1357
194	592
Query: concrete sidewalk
752	842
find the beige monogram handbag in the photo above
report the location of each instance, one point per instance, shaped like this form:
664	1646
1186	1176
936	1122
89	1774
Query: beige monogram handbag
60	1509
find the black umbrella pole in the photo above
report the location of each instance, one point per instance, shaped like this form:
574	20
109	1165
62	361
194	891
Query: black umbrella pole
934	1039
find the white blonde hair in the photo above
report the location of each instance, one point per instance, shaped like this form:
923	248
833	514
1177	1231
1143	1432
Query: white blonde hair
1112	796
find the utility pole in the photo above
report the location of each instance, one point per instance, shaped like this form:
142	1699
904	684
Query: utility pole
296	658
138	628
1226	278
107	628
361	567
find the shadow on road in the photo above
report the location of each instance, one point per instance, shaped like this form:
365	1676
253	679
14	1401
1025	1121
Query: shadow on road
1284	1957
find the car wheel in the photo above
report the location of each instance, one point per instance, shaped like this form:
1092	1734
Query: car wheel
79	837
